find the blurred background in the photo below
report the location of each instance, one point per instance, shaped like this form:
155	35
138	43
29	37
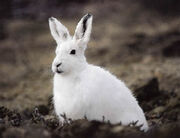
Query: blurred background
139	41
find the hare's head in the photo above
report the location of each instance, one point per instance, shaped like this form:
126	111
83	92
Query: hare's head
70	50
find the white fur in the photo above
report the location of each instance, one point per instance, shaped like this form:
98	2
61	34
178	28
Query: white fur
87	90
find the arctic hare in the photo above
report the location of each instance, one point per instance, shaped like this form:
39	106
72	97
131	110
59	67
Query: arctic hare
81	89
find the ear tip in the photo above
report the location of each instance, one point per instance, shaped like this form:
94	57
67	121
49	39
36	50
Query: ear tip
86	17
51	19
89	15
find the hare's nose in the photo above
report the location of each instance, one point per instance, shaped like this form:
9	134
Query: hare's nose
58	65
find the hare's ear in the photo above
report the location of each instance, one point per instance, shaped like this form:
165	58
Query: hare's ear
83	29
58	31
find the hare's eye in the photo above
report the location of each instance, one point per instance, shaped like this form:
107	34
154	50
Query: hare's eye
73	52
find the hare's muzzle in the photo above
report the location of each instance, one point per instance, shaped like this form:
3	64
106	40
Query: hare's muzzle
59	71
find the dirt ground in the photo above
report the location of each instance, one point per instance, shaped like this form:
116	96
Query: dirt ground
140	46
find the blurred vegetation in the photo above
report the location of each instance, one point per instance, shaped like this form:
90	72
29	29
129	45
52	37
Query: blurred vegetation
164	7
30	9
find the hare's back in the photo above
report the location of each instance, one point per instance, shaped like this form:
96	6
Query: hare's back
99	79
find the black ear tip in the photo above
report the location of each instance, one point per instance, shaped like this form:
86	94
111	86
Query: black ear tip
89	15
51	19
86	17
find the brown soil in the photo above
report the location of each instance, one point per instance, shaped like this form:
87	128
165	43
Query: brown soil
139	45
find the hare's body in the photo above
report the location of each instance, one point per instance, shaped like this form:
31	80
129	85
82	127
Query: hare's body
81	89
102	94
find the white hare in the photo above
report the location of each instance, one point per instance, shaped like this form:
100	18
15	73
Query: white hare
81	89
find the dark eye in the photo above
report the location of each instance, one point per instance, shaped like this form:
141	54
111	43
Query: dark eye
73	52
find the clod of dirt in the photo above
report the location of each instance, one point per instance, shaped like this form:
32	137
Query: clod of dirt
37	116
14	118
44	110
150	96
52	122
148	91
3	112
172	50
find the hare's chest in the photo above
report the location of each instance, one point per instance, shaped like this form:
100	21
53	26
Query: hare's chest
65	88
68	99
